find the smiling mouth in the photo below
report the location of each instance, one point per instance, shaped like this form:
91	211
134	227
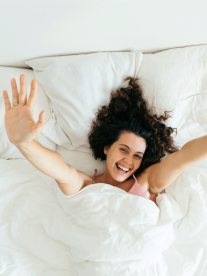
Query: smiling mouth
121	170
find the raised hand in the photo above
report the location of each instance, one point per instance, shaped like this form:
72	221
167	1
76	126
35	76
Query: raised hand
19	123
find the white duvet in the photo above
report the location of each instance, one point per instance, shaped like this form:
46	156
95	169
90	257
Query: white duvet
101	230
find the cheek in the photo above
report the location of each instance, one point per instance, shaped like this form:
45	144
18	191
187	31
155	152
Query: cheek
118	156
113	158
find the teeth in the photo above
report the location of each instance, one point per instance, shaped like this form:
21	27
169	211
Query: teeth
126	170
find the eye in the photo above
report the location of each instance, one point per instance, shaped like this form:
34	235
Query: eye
138	156
135	155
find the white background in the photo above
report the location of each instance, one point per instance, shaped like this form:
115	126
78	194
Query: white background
32	29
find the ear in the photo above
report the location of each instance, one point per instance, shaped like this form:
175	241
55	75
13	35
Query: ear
105	149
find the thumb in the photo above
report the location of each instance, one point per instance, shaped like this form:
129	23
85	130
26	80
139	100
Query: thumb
41	122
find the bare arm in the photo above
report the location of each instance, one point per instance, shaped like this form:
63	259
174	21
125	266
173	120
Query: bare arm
21	130
52	164
194	151
45	160
162	175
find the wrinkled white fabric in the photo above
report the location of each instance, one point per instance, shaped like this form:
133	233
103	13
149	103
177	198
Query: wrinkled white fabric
107	223
101	230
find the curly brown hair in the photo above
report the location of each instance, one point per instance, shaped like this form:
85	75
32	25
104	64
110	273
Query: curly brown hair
127	111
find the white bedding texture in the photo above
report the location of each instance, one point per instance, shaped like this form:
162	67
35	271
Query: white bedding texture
102	230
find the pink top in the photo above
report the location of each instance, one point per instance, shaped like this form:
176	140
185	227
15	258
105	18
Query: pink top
137	189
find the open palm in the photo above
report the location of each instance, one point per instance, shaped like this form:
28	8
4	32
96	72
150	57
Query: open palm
19	123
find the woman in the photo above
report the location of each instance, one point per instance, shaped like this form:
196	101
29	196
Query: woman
124	133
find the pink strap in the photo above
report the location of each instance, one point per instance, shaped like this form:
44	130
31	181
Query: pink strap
139	190
95	171
135	178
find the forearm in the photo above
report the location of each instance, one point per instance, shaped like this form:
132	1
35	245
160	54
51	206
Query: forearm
45	160
195	150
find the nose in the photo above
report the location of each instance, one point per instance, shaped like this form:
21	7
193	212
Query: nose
128	161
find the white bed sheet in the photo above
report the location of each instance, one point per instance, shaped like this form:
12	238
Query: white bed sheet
35	228
33	207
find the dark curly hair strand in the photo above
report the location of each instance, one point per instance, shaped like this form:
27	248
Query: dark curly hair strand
127	111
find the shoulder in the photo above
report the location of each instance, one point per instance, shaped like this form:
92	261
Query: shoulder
73	180
143	180
85	178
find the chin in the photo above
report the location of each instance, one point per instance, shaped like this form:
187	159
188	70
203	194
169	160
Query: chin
122	178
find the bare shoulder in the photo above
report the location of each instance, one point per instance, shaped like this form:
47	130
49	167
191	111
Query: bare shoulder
143	180
86	179
74	181
159	176
163	174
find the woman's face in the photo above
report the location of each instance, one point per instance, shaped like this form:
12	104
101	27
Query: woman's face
127	152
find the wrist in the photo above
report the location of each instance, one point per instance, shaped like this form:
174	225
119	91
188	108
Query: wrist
22	145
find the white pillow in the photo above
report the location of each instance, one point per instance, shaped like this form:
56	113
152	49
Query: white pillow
78	85
173	79
176	79
7	149
82	161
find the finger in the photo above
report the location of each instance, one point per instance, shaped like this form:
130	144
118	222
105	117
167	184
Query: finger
6	101
33	94
23	90
15	94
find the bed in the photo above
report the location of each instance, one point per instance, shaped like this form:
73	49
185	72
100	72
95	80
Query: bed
102	230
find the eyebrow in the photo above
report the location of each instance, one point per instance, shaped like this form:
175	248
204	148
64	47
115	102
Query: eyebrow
129	148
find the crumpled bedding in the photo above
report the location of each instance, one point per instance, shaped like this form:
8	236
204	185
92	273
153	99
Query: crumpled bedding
101	230
106	223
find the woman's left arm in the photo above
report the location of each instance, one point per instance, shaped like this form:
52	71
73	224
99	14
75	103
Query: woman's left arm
163	174
195	150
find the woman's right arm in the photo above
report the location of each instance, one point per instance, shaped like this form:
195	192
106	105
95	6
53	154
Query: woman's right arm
21	130
51	163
